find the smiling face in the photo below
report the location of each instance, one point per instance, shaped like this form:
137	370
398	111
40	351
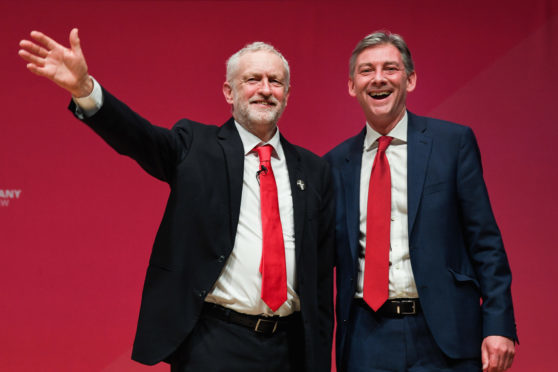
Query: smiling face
380	84
258	92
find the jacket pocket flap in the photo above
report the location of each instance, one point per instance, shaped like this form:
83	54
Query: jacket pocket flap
464	278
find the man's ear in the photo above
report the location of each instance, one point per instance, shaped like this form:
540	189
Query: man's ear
411	81
351	85
228	92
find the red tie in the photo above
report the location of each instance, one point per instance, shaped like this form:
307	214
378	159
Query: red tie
376	258
272	266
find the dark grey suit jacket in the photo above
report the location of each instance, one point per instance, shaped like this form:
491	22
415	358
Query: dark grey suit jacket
203	166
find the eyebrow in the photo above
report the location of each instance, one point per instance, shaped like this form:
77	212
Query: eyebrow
383	64
278	77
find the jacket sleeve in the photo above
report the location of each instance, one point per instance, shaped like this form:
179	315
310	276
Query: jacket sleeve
155	149
484	242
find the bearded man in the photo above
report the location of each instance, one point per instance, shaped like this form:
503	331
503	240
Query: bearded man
240	276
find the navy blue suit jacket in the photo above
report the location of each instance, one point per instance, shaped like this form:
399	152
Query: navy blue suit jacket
456	250
203	165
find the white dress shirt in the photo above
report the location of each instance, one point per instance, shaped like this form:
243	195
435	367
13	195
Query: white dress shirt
239	284
401	280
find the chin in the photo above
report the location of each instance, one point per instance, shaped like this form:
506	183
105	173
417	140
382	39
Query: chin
266	118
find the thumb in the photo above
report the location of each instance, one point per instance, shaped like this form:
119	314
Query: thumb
74	41
484	357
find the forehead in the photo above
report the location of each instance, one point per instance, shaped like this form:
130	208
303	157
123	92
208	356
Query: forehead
382	53
260	62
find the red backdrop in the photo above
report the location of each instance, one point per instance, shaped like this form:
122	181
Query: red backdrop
77	229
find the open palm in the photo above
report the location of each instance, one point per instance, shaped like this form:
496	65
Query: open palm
65	67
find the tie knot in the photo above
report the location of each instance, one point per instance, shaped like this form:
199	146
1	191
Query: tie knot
383	142
264	152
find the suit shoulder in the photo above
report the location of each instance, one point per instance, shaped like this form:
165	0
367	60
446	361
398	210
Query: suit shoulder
342	150
439	125
191	125
308	156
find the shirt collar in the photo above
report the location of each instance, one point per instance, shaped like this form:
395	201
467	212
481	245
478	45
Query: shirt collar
250	141
399	134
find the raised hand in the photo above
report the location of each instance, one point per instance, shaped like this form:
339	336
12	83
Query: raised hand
65	67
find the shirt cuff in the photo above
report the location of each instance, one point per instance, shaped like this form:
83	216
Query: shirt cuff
89	105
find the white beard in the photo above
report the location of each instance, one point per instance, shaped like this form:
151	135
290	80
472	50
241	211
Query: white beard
250	115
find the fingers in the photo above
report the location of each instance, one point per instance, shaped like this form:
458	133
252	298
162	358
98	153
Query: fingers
34	54
33	48
509	361
497	353
36	69
506	358
494	364
32	58
46	41
37	53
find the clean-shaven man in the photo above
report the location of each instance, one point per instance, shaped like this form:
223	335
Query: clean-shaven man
423	280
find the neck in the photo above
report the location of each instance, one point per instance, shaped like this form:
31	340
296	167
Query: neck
265	134
385	125
263	131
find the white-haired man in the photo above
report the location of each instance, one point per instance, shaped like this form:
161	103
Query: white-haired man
240	276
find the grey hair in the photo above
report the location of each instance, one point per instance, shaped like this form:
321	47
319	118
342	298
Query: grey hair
380	38
232	62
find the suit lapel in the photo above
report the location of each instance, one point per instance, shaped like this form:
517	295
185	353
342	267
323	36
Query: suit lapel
296	176
230	142
351	187
419	146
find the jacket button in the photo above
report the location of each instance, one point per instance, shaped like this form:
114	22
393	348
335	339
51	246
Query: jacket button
221	259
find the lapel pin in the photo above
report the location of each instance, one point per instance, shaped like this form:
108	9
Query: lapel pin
300	184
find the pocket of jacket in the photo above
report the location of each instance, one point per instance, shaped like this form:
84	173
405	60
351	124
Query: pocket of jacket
464	278
430	189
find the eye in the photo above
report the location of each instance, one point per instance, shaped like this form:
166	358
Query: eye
276	83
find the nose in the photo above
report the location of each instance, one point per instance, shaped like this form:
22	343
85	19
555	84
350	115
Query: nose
379	77
265	87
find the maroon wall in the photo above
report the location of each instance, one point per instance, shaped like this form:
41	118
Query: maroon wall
74	245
